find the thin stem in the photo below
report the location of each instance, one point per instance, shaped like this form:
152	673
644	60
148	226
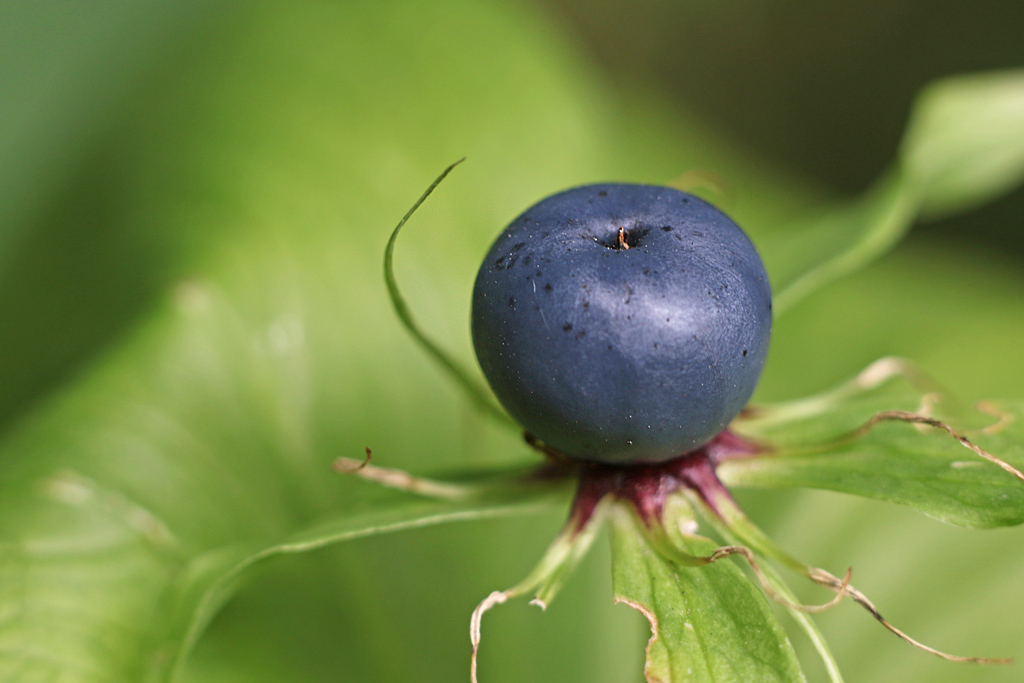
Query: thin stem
667	539
914	418
547	577
403	481
807	624
757	418
474	389
731	521
801	617
513	484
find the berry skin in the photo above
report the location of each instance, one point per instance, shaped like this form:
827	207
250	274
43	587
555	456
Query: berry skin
622	323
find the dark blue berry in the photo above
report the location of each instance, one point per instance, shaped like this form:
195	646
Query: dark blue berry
622	323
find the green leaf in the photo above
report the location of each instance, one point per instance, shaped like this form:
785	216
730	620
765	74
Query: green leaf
273	155
830	442
211	579
964	145
708	623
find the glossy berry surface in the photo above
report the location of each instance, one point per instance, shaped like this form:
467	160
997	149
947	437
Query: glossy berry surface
622	323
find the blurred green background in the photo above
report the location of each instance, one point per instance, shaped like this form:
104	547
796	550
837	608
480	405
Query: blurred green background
194	199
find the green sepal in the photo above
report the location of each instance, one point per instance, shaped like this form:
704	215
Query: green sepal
871	437
708	622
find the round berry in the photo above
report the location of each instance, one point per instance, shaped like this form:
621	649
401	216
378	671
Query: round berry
622	323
